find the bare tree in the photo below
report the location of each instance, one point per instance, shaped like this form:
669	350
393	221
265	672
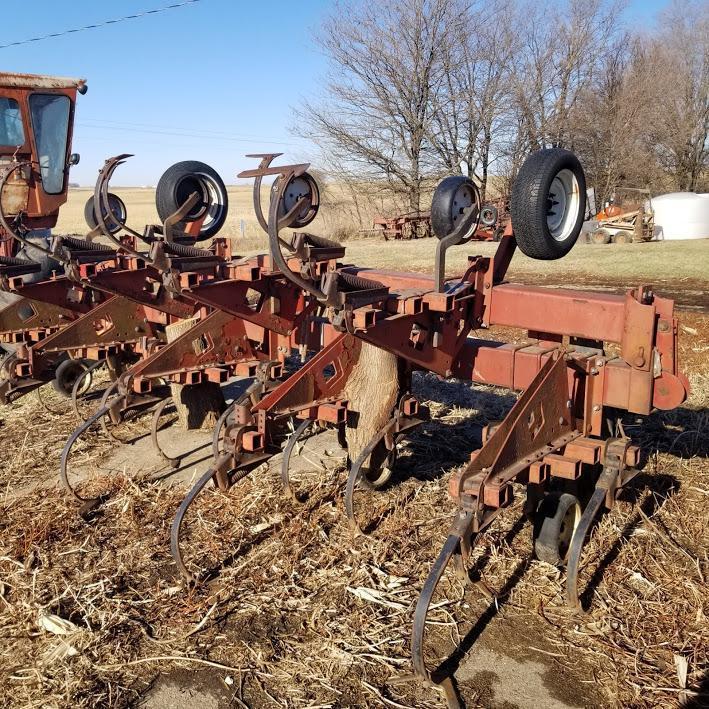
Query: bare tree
607	123
385	68
474	95
421	88
675	73
560	51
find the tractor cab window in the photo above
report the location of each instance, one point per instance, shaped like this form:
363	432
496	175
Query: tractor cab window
50	123
11	132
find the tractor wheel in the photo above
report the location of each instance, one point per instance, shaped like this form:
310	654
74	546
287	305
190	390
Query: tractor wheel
601	236
66	375
180	181
622	237
302	186
555	522
548	203
453	197
118	209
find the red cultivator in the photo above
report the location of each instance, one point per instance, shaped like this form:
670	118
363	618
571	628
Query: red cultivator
563	439
595	356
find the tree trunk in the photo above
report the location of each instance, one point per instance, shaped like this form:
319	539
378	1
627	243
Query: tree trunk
372	391
197	405
485	160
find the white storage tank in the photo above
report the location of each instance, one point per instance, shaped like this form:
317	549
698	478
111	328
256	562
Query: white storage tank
681	215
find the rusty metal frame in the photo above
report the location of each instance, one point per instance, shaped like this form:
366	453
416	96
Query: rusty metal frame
555	428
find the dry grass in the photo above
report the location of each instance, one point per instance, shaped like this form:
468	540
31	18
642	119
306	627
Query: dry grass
675	263
305	615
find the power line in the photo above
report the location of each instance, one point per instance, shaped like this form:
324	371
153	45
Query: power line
189	134
151	127
114	21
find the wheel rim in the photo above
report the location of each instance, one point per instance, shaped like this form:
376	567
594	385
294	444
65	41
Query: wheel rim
488	215
210	198
69	376
297	188
464	198
381	476
118	212
567	529
562	205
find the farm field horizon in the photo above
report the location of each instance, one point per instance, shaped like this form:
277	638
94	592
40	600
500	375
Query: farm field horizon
677	266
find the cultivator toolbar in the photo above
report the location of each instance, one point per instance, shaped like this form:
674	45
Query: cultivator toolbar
118	301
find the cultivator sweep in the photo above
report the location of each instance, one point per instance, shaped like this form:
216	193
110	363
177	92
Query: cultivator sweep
594	357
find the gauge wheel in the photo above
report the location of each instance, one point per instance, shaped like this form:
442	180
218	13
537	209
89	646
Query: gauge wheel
548	203
183	179
455	198
301	186
118	209
66	375
555	522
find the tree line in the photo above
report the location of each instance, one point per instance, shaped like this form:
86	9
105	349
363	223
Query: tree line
417	89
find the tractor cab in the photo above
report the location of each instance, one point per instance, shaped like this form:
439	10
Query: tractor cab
36	125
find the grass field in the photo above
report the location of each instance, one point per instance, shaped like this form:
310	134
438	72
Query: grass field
337	212
680	264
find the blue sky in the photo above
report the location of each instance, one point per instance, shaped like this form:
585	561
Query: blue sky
209	81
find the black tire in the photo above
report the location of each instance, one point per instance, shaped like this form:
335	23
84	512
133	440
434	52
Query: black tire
66	374
600	236
622	237
298	187
548	203
555	520
451	198
180	181
118	209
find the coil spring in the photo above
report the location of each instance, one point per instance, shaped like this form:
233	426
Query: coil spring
320	241
14	261
72	243
184	250
355	283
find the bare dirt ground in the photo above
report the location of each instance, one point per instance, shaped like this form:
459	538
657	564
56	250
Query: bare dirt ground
304	614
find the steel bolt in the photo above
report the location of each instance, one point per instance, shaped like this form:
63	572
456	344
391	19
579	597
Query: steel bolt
597	407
